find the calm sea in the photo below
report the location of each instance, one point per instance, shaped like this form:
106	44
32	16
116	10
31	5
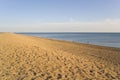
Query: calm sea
103	39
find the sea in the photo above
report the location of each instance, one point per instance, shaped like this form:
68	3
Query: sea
102	39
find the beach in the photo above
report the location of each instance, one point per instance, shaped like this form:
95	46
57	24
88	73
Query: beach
33	58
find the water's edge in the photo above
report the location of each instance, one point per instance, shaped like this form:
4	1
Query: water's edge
102	39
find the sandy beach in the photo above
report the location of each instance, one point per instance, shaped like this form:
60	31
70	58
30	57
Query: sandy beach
32	58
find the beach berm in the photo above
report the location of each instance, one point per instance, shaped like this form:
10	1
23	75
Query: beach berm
33	58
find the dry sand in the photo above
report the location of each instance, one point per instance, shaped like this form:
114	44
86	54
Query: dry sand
32	58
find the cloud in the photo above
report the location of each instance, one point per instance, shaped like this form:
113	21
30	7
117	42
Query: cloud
107	25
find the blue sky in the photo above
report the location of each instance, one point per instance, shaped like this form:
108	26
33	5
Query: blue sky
59	15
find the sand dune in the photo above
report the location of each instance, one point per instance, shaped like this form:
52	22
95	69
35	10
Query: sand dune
32	58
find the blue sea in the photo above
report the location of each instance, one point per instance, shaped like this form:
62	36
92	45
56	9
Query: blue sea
103	39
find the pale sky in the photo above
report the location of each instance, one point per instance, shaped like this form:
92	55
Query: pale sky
59	15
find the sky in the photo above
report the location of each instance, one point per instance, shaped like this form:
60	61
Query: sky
59	15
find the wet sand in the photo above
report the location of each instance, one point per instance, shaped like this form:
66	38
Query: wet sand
32	58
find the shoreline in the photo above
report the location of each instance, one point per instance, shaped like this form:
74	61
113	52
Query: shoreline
112	45
75	42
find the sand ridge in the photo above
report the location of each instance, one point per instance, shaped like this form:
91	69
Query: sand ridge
32	58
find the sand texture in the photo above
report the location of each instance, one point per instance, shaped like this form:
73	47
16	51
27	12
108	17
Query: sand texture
32	58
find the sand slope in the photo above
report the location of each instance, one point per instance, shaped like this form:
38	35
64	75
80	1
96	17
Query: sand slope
32	58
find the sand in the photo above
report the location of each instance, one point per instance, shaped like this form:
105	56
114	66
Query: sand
32	58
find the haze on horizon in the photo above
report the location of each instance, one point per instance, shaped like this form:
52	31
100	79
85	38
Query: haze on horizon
59	16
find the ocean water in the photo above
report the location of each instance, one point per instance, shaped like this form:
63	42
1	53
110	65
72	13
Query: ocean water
103	39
